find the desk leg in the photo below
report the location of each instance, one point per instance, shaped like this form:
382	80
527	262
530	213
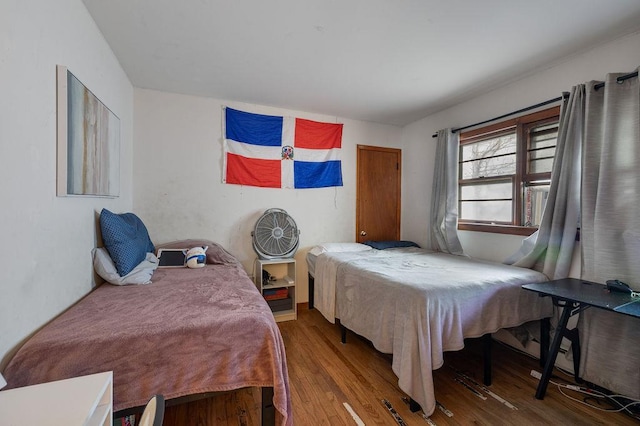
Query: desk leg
553	353
545	329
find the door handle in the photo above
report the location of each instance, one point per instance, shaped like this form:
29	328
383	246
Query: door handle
363	233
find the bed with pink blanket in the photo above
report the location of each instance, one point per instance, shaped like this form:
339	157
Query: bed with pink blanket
191	331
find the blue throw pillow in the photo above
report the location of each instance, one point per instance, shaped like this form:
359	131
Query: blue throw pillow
381	245
126	239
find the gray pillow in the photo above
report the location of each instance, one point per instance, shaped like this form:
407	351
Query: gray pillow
141	274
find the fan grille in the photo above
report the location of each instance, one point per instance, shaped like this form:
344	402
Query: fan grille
275	235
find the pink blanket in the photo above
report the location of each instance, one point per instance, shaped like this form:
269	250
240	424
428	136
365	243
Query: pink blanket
190	331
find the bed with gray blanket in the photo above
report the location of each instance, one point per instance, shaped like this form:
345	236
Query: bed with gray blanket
417	304
191	331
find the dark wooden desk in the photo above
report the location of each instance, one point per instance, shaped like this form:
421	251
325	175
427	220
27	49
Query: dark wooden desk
574	296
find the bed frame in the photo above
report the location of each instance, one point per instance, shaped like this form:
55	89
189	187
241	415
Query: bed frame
267	410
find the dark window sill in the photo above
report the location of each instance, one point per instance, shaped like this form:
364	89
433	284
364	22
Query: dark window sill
497	229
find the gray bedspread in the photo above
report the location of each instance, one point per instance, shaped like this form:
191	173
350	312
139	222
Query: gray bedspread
190	331
417	304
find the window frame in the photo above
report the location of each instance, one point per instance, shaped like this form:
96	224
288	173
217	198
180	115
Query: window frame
521	126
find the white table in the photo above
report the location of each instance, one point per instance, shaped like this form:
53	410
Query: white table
85	400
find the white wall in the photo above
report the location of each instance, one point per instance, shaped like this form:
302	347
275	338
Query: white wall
45	255
178	179
622	55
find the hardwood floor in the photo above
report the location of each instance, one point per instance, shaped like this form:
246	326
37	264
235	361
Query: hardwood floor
324	374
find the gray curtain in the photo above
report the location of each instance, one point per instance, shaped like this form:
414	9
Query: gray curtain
444	197
554	241
611	230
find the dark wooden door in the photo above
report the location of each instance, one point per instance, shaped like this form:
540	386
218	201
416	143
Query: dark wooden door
378	193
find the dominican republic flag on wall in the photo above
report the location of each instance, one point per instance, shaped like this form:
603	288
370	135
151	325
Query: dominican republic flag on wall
280	152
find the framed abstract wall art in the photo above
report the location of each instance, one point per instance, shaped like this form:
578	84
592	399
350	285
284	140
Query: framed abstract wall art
88	137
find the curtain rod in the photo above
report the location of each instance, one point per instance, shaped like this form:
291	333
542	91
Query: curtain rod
529	108
619	80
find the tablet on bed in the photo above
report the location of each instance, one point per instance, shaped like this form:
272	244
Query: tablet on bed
172	258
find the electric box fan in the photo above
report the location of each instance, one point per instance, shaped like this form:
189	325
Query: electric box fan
275	235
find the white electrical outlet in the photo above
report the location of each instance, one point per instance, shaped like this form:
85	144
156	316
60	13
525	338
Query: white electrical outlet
536	374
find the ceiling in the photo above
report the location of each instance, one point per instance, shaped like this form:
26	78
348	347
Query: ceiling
386	61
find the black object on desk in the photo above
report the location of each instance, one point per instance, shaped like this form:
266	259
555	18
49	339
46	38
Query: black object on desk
574	296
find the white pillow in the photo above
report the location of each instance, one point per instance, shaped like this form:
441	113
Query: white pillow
338	247
105	267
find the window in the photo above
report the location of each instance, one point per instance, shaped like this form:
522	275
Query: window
505	173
